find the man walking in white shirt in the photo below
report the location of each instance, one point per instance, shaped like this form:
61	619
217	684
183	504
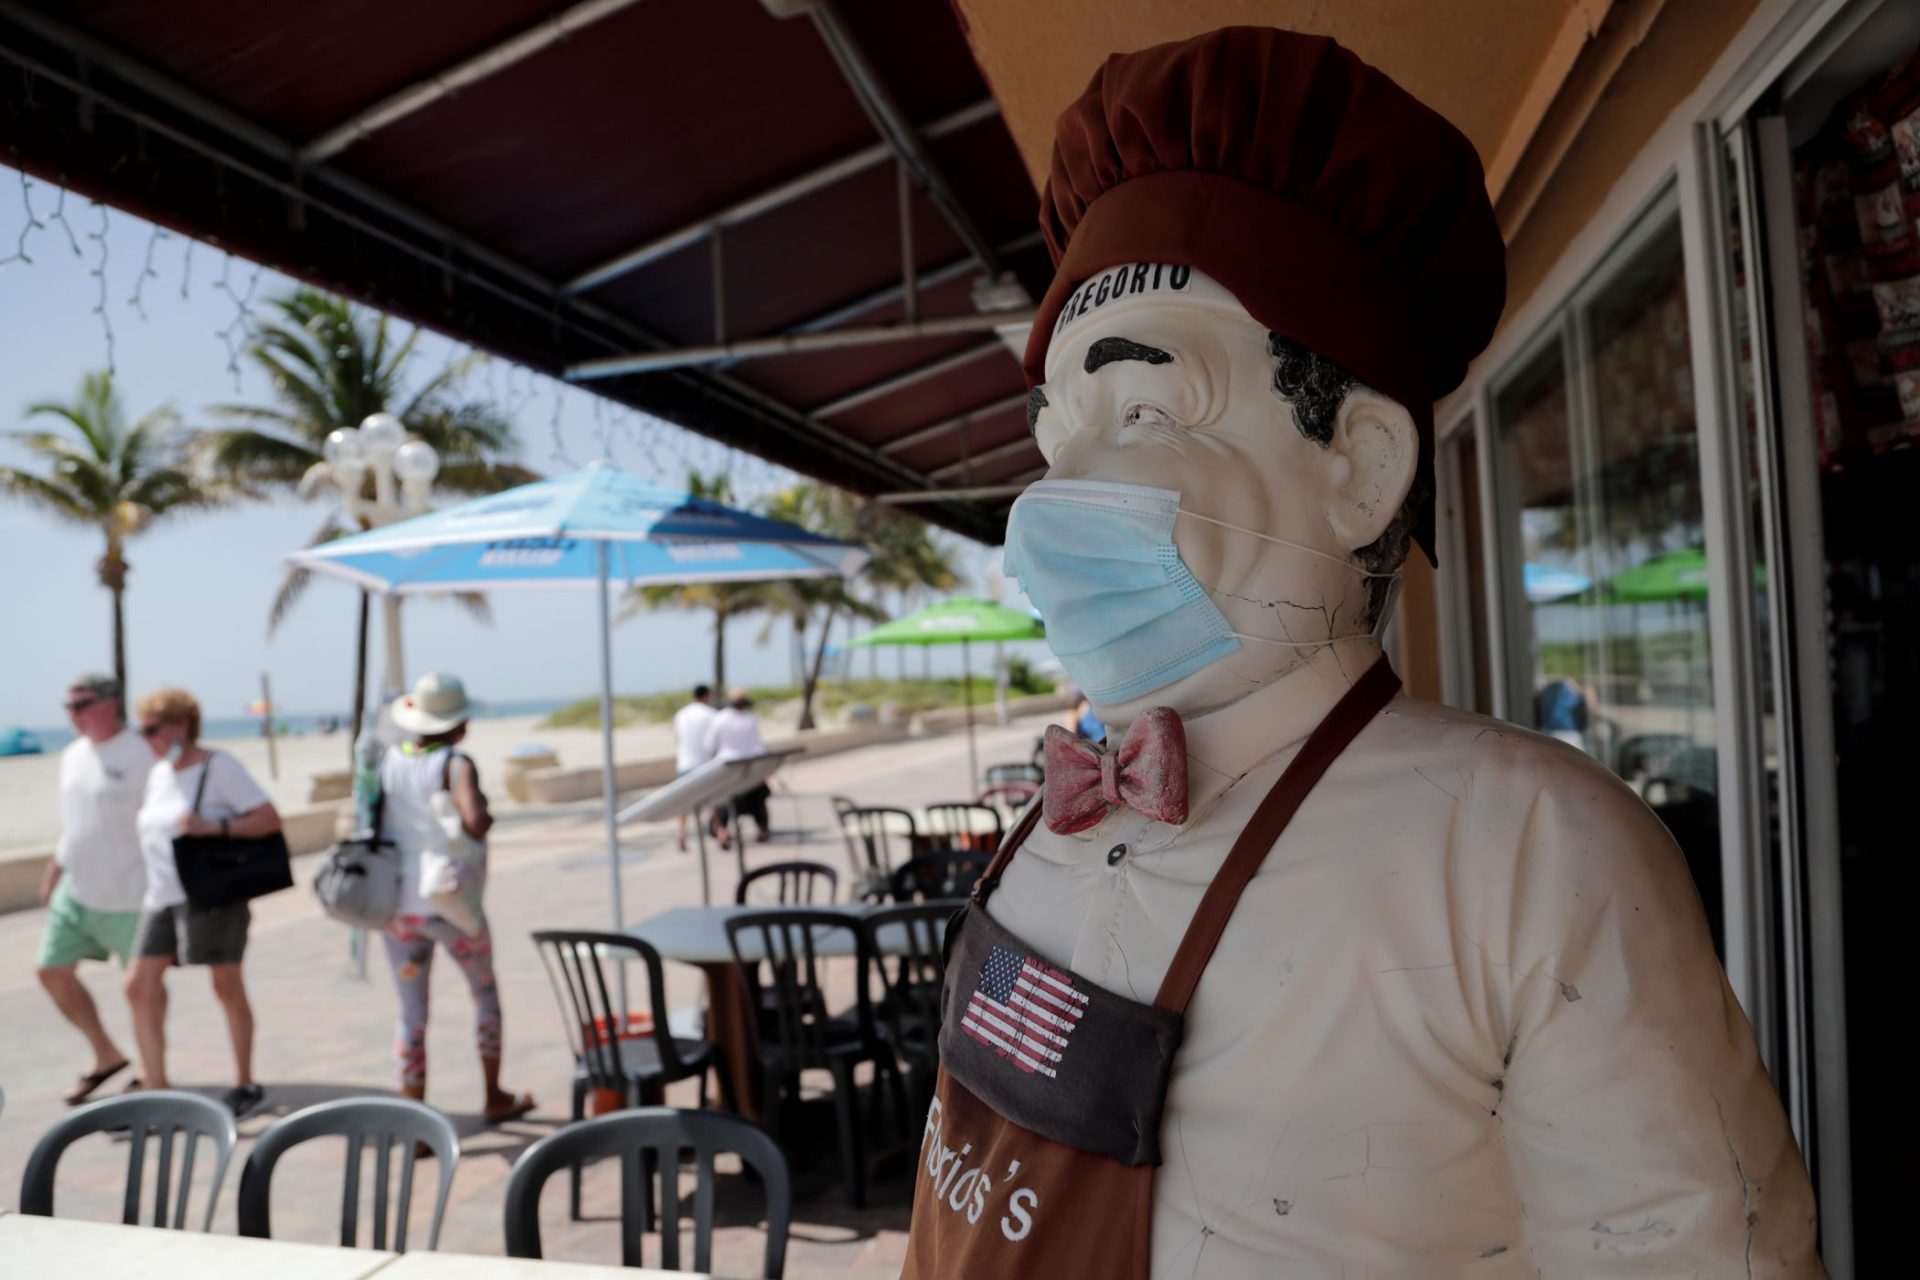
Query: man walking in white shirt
734	734
93	887
690	740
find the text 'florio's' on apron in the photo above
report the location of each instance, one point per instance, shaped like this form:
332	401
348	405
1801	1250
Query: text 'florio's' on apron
1040	1146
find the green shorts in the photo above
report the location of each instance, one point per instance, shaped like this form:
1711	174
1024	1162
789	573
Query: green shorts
75	933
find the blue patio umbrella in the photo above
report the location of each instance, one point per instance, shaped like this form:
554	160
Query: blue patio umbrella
1545	583
598	528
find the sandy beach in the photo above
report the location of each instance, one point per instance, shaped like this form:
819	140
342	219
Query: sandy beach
29	785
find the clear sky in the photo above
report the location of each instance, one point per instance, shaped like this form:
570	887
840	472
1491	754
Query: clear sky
200	585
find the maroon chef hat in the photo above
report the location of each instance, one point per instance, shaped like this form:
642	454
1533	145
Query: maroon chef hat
1341	212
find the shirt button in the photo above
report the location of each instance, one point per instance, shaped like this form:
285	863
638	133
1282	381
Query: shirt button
1116	853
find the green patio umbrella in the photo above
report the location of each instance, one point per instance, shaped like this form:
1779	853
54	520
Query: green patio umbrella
1677	579
1677	575
960	621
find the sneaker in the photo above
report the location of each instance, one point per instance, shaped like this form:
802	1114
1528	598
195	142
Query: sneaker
243	1100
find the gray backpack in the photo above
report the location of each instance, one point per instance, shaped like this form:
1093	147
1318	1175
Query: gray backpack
358	882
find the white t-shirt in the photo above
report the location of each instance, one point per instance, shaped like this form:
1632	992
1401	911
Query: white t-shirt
231	791
101	786
734	735
408	782
690	725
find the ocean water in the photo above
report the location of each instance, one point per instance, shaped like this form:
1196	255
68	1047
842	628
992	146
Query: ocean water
306	723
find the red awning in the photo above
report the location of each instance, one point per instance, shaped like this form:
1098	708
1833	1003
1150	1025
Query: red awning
542	180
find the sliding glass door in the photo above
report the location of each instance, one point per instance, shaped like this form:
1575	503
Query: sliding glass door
1604	557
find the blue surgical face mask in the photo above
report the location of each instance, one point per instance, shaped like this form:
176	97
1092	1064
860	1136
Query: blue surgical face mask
1124	614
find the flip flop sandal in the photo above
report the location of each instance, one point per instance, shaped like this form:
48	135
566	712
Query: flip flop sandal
521	1105
84	1089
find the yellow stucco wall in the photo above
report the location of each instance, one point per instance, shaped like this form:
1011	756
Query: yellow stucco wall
1682	44
1475	61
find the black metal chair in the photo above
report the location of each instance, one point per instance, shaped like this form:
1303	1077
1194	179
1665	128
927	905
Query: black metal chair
906	947
932	877
777	954
872	835
647	1140
636	1068
956	824
383	1124
167	1115
1025	772
795	882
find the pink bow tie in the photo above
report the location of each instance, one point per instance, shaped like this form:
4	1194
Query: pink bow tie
1148	774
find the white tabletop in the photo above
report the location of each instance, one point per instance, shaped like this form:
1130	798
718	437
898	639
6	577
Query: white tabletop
35	1246
710	784
698	935
458	1266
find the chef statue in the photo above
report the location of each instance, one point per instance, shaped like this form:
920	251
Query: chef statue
1299	977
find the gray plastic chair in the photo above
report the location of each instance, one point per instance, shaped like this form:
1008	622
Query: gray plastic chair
167	1114
649	1138
953	824
383	1123
871	835
792	882
912	972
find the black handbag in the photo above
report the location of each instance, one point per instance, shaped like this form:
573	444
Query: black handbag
218	871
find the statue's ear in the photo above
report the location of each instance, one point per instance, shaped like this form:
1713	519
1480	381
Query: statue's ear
1371	461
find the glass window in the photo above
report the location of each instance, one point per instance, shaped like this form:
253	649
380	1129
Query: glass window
1600	464
1473	563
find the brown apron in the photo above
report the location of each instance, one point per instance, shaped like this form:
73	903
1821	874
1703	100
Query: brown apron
1040	1146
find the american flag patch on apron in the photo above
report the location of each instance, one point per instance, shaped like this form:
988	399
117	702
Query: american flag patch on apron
1023	1010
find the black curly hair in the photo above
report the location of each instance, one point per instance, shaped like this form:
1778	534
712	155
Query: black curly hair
1314	388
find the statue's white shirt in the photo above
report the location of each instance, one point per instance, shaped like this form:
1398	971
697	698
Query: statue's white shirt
1466	1020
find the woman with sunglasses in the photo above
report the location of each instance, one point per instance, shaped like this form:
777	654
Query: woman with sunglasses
192	791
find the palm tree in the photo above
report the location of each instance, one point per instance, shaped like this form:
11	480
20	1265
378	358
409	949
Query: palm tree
114	477
332	364
904	558
835	514
724	600
908	560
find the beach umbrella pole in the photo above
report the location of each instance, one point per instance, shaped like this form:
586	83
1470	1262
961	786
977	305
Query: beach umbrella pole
966	696
607	781
700	840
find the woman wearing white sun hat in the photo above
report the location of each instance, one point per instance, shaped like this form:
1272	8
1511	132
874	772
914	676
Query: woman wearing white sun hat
412	773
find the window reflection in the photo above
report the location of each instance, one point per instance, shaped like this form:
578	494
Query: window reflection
1601	459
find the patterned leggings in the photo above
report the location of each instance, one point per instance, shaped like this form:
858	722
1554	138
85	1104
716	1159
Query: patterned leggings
410	942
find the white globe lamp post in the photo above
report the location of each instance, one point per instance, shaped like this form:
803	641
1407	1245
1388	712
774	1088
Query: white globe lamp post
381	436
380	445
415	464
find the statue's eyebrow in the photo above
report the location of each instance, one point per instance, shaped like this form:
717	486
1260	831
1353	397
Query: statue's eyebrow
1108	350
1036	401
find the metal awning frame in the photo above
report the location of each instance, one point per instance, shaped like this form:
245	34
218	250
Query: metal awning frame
154	103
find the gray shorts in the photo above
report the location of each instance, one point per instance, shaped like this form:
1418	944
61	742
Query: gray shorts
194	935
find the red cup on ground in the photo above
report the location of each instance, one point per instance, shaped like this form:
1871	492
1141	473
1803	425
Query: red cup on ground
639	1025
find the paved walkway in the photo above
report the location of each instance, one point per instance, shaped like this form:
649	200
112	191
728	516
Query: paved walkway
324	1033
